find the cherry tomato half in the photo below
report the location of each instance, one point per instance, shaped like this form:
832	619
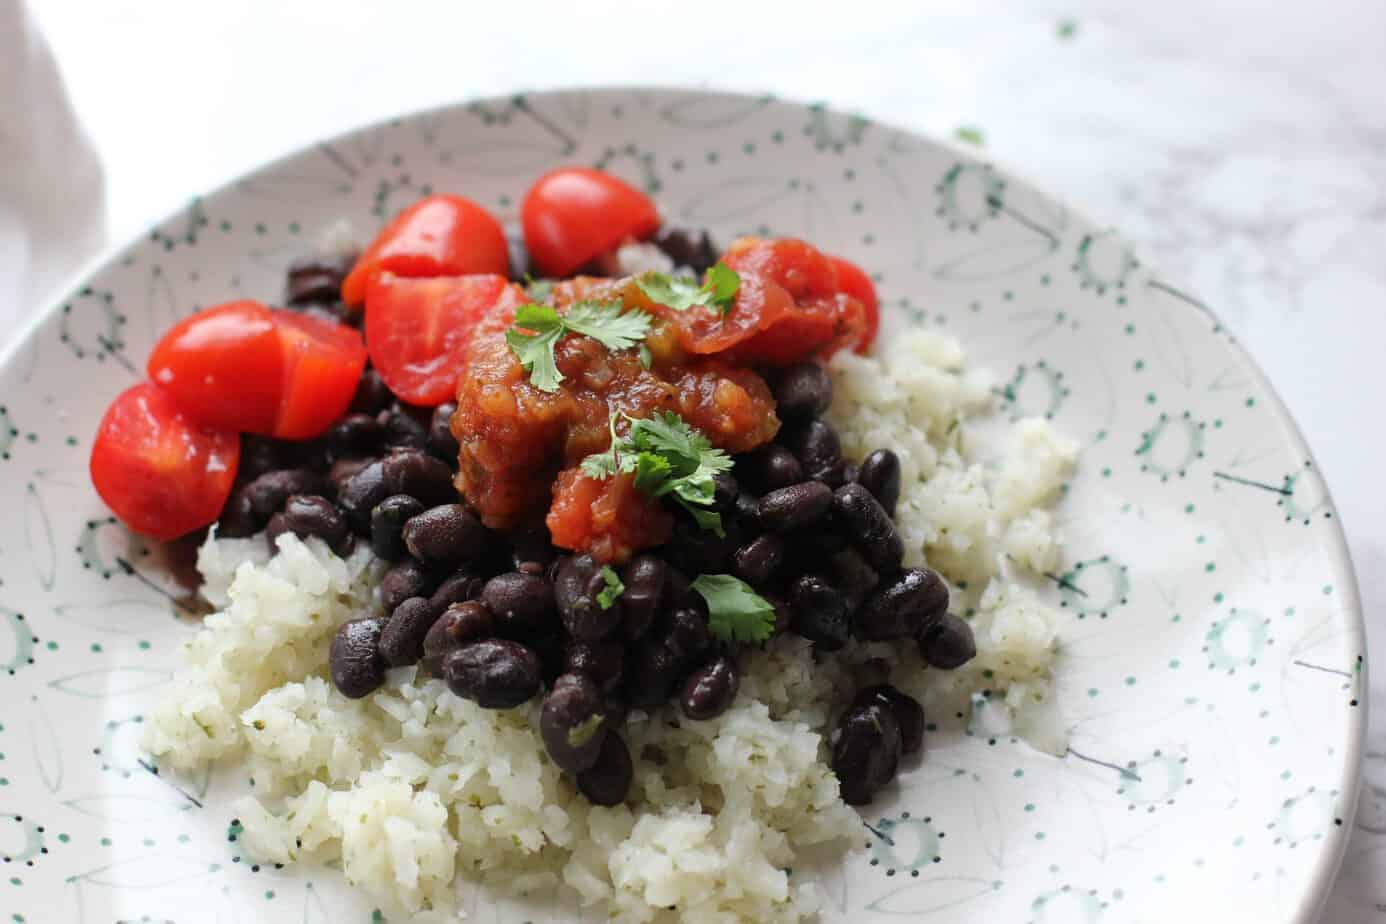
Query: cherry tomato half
162	474
417	330
436	236
852	280
573	214
242	366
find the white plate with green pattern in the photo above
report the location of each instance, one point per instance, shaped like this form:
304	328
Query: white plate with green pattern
1211	675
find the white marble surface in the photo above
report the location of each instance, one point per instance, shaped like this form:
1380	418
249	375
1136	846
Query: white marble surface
1243	143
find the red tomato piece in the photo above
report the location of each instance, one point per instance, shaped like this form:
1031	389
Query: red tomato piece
608	519
573	214
436	236
242	366
417	330
852	280
162	473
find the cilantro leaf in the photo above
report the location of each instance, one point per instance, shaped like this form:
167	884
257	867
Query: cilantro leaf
722	282
717	291
736	613
614	588
538	328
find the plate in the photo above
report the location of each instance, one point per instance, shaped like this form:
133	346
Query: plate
1212	668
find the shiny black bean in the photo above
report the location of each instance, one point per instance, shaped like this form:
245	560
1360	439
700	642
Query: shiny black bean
342	470
402	639
695	550
387	525
494	673
372	395
949	644
258	456
725	491
275	528
355	436
768	468
869	528
904	607
645	578
795	507
354	659
412	472
652	673
880	474
308	515
687	635
603	661
459	624
607	781
802	391
758	561
405	579
679	593
817	447
573	722
445	536
316	279
456	588
402	428
909	715
268	492
866	753
577	583
523	605
238	519
851	473
709	691
748	512
693	249
441	442
820	612
360	493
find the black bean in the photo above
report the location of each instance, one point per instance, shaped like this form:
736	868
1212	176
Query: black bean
531	546
696	550
769	467
578	581
355	436
866	752
316	279
820	612
851	473
748	512
275	528
441	442
949	644
869	528
909	715
238	519
679	593
412	472
687	635
308	515
645	578
551	650
817	447
709	691
268	492
387	525
693	249
402	428
445	536
794	507
494	673
814	549
802	391
607	781
360	493
572	723
523	605
603	661
456	588
905	607
372	395
459	624
880	474
342	470
405	579
652	673
402	639
354	658
258	455
725	491
758	561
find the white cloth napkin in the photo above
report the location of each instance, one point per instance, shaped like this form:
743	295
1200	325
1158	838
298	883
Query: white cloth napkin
52	196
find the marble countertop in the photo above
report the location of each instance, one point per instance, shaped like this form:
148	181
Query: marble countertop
1242	144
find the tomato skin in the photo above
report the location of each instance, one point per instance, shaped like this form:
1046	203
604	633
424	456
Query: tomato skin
418	330
437	236
852	280
608	519
242	366
160	472
573	214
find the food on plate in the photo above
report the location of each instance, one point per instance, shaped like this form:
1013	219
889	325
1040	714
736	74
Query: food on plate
622	586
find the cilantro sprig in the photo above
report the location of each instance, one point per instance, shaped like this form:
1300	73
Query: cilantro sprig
668	458
679	293
613	589
735	612
538	328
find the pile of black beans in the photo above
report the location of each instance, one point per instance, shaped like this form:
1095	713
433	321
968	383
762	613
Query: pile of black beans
503	618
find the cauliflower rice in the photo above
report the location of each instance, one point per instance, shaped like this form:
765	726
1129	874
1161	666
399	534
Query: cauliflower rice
412	786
